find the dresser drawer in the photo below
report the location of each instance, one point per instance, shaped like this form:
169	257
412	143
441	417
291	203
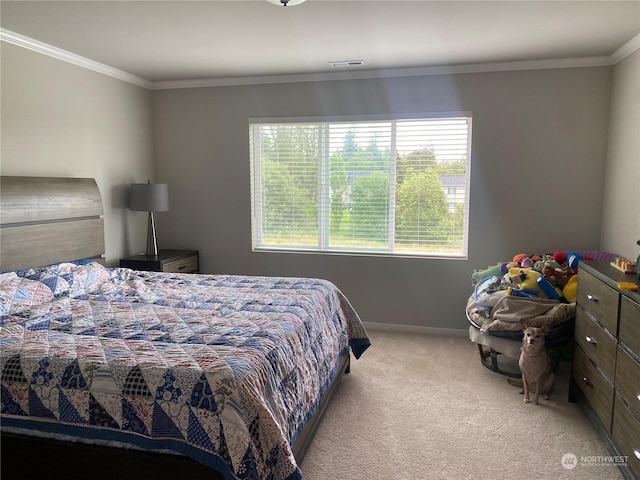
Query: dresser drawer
597	390
628	380
630	324
626	435
598	300
183	265
599	346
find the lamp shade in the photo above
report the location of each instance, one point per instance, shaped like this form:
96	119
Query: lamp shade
149	197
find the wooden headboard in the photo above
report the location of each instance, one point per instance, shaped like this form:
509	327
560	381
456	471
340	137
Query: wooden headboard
46	220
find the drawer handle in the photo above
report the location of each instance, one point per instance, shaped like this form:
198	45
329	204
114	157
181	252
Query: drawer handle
593	298
182	267
591	340
587	381
636	452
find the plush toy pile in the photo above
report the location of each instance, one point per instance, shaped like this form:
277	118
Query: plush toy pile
552	276
535	289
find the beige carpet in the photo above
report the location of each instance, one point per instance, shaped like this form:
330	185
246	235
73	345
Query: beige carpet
423	407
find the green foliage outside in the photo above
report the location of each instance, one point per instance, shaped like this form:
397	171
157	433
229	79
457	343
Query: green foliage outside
358	206
370	208
283	214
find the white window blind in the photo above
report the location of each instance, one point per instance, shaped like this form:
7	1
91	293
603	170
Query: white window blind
373	186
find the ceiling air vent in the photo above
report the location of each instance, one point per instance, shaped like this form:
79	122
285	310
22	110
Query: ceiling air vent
347	63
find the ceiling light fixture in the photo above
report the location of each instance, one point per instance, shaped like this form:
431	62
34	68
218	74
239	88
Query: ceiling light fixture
284	3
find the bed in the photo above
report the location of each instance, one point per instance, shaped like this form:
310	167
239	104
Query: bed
109	372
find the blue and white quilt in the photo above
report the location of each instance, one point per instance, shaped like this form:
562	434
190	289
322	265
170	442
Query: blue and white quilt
225	369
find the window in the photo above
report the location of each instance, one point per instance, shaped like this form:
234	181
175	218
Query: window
361	185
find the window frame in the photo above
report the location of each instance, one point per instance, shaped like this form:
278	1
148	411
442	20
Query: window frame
323	246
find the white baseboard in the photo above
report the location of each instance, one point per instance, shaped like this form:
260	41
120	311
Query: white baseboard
452	332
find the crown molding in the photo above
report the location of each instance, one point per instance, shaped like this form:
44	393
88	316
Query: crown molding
387	73
626	50
68	57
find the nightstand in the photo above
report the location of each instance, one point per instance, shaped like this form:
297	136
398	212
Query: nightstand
175	261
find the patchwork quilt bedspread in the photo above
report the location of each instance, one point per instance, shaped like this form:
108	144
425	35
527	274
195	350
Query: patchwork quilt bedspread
224	369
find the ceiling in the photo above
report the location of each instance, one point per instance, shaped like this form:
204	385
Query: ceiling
162	41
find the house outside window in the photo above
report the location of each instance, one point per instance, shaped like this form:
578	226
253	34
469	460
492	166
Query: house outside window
455	187
362	185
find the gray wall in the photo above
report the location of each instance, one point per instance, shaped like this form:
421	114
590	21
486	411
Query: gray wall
540	176
621	210
538	163
62	120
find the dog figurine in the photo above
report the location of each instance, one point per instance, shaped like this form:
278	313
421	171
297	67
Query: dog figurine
535	365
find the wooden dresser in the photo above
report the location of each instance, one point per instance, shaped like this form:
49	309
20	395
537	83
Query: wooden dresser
606	361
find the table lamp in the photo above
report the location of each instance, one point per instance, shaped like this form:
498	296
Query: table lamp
149	197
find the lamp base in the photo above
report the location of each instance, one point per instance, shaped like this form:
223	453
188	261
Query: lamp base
152	239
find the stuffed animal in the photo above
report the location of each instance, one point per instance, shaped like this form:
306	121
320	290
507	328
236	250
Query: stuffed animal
570	290
563	275
523	278
544	261
549	291
497	270
572	259
555	274
526	262
488	292
519	257
560	257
